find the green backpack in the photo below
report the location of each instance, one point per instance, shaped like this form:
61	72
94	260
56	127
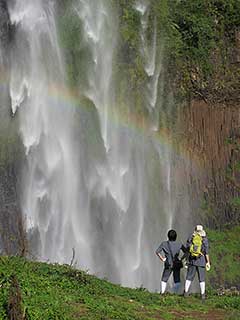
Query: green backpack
196	246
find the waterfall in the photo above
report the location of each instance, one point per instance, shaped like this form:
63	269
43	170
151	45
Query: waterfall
152	54
50	182
92	180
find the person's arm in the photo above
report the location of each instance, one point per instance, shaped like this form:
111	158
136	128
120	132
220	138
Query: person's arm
159	251
208	265
207	258
162	258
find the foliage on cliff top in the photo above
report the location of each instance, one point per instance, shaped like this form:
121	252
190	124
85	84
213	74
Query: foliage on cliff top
61	292
208	53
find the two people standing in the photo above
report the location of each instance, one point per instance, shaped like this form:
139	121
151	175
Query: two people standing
196	252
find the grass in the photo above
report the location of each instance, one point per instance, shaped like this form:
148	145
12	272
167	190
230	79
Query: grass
61	292
225	257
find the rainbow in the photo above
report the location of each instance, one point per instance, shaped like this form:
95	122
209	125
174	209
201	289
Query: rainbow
138	123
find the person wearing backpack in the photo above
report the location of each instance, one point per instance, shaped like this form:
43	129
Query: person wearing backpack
168	252
198	259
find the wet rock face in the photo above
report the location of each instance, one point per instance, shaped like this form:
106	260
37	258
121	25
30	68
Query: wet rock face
4	23
11	226
4	63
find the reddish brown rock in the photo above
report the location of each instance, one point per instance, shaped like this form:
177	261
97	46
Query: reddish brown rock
210	139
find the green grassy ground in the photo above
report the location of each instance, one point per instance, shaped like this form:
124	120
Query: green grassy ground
60	292
225	257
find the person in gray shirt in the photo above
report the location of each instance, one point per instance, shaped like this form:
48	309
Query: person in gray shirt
197	263
168	252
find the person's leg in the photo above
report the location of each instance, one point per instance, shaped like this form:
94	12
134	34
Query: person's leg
189	278
201	278
176	279
165	276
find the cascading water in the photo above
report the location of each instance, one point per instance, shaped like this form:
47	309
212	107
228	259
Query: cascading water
152	55
50	183
100	35
110	199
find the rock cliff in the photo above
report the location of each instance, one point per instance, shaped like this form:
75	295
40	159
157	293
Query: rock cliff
210	139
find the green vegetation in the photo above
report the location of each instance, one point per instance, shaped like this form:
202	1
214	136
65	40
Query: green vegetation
201	45
205	56
45	291
232	177
225	257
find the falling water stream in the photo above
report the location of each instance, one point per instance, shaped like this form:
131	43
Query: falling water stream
112	203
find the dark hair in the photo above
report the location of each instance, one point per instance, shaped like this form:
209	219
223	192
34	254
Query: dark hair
172	235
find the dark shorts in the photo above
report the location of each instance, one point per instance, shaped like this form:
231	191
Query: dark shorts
167	272
191	272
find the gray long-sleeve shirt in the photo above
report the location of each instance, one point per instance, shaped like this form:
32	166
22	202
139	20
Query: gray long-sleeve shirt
175	246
